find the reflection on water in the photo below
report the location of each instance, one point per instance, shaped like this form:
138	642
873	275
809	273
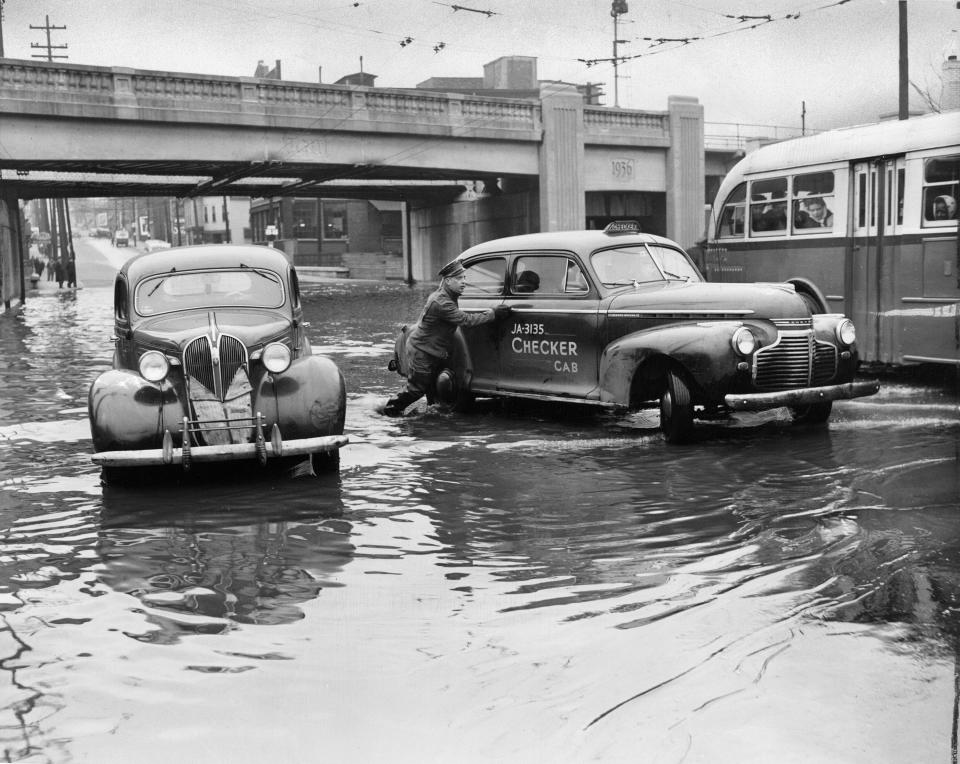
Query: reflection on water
518	584
205	558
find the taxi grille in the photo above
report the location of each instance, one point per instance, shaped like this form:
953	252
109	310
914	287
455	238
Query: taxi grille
795	360
214	367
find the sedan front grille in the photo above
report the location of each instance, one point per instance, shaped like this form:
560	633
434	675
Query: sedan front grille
795	360
214	366
785	364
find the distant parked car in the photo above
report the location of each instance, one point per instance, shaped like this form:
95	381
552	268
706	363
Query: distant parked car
121	238
620	319
212	364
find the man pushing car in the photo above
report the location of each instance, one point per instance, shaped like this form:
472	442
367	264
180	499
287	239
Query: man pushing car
431	340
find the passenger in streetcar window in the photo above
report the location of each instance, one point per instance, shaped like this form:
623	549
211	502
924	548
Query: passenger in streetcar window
431	340
771	217
816	214
944	208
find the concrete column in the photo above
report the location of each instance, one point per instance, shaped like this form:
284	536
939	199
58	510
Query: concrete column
950	100
685	171
562	183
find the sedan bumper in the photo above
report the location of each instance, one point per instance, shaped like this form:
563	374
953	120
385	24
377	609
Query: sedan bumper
150	457
802	397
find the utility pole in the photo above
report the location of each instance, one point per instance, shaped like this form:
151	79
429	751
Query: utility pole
803	118
49	55
618	9
2	55
904	66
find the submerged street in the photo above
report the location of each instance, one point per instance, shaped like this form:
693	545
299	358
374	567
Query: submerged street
518	584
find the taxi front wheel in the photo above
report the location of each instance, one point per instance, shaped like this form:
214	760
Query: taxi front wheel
815	413
676	410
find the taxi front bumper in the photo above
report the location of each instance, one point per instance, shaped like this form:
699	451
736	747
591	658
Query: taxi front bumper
263	451
803	397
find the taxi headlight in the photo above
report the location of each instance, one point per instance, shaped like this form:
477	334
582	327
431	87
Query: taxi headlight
276	357
846	332
153	366
743	341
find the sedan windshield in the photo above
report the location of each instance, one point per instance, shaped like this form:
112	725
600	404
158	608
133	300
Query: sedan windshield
242	287
642	263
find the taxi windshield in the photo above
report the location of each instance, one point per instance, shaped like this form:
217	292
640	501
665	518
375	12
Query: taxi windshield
642	263
241	287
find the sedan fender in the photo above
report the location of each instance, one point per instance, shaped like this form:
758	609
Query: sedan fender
128	412
632	367
312	384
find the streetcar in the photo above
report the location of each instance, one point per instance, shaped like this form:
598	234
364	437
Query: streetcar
863	222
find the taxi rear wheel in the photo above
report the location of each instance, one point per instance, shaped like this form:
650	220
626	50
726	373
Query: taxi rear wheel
676	410
815	413
452	392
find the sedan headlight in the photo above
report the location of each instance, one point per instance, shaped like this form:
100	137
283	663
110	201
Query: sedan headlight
846	332
153	366
743	341
276	357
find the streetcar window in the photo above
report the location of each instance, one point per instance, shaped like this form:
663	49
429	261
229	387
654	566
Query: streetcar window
732	213
941	179
901	179
813	202
768	207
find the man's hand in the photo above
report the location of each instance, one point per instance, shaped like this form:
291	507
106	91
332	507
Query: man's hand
501	312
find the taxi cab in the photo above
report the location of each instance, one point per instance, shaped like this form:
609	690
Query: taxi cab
624	320
212	363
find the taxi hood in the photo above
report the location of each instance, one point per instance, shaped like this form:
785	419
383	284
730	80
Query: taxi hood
250	326
705	300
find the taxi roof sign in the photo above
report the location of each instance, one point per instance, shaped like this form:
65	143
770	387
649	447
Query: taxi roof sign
621	227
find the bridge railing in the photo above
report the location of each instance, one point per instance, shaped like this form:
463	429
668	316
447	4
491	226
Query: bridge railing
76	90
112	91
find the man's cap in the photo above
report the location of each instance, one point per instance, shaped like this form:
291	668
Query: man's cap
453	268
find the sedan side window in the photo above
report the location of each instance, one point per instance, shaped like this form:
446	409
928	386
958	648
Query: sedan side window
576	281
485	278
540	274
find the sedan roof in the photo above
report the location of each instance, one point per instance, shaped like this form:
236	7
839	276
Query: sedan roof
581	242
205	256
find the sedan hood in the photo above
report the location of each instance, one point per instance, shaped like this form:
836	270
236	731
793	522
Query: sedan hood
701	300
251	327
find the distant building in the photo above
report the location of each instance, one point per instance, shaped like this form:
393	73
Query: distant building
265	72
508	77
215	220
362	235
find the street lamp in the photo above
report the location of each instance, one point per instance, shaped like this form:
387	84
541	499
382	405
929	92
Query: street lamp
617	10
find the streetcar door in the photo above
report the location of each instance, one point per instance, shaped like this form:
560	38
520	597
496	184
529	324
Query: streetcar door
865	258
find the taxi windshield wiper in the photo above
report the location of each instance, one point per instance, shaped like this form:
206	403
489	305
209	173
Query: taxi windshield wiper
150	293
675	276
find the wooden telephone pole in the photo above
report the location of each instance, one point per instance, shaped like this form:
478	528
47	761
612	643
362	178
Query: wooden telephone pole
50	47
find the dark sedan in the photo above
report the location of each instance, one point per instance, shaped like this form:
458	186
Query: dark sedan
212	363
622	319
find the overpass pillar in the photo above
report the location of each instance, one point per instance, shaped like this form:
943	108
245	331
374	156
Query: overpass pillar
686	168
562	182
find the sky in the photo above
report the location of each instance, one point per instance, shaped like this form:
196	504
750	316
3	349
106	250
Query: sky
816	63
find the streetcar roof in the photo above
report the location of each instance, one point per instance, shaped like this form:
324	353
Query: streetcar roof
846	144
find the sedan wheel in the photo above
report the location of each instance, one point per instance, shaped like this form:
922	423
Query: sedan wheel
676	410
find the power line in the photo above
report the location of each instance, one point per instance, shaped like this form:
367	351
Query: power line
757	21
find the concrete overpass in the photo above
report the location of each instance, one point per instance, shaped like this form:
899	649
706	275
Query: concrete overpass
73	130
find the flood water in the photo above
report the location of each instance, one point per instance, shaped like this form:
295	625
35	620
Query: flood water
513	585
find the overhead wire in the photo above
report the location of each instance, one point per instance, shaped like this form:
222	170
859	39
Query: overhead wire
747	22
